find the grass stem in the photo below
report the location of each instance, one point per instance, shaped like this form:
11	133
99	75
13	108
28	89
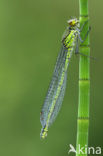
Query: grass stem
84	82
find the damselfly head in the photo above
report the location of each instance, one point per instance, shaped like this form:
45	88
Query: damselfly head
73	22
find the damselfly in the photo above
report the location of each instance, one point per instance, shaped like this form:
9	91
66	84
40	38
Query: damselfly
56	91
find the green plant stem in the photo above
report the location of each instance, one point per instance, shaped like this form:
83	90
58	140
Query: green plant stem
84	83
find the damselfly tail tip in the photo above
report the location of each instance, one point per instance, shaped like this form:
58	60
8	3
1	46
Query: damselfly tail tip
43	133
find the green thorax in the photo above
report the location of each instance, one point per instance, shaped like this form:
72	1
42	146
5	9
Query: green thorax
70	36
